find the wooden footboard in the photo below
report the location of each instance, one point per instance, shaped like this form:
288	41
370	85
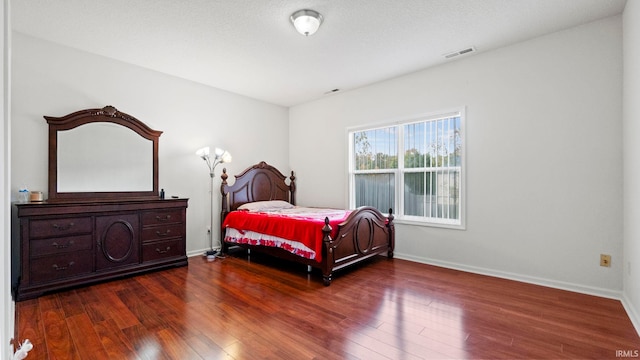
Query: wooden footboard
365	233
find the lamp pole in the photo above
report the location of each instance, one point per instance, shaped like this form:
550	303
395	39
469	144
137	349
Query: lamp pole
221	156
211	252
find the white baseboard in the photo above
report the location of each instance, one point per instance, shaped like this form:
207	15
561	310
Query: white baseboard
201	252
589	290
632	312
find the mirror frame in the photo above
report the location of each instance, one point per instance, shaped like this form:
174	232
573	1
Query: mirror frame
107	114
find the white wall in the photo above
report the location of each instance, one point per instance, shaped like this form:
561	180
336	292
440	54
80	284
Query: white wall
49	79
631	127
7	306
544	156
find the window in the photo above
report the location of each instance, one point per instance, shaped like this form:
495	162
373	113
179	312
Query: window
414	167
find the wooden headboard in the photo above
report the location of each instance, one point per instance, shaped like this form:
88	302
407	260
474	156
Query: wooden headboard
260	182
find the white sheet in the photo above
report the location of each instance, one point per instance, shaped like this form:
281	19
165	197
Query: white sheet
254	238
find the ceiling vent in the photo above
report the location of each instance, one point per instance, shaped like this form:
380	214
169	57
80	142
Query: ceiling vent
331	91
459	52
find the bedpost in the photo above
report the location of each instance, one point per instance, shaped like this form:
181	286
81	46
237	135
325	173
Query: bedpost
225	204
327	242
224	208
392	235
292	188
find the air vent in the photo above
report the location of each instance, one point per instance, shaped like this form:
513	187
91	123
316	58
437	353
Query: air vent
459	52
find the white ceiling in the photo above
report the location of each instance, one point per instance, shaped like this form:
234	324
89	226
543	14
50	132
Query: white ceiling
249	47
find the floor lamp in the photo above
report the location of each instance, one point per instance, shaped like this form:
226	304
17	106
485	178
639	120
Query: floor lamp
219	156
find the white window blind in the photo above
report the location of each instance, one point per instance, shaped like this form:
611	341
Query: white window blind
413	167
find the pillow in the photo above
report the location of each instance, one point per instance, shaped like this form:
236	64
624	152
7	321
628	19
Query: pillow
266	205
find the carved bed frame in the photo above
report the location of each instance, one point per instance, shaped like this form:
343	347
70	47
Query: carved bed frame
364	234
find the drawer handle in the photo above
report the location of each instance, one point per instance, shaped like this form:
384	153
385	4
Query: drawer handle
163	251
62	246
166	233
62	268
163	219
63	227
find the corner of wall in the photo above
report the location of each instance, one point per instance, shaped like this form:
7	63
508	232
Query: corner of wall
631	151
631	311
7	306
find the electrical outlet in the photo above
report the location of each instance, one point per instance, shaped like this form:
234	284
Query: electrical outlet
605	260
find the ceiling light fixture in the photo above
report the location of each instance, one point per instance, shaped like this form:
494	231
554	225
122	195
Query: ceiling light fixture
306	21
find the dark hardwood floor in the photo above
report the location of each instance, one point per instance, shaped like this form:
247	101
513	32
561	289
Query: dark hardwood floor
259	309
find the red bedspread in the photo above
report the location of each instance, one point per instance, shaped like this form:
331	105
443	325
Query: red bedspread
299	224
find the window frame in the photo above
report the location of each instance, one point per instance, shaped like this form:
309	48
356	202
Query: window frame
399	172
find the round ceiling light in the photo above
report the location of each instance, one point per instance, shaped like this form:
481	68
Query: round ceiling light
306	21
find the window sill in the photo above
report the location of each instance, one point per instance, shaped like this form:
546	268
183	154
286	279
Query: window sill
407	221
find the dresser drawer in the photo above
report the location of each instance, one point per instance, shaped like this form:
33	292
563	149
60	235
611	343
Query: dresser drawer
162	232
60	227
162	249
60	245
61	266
151	218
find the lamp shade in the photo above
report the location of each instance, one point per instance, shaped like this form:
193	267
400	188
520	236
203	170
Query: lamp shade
306	21
204	152
219	156
226	157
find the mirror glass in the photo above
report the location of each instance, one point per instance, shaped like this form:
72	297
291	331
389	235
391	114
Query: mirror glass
104	157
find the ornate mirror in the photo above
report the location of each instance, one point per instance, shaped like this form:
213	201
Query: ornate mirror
101	154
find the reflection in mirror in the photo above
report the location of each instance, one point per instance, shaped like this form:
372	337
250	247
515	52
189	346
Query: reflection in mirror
104	157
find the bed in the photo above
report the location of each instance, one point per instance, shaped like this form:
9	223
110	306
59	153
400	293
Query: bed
337	238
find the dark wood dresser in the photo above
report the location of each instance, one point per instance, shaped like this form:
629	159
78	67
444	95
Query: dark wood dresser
66	244
105	216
